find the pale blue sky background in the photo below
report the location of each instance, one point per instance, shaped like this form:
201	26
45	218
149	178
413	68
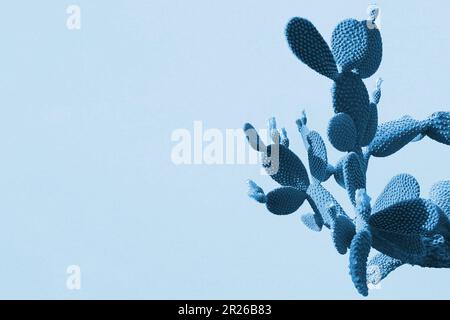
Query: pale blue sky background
85	171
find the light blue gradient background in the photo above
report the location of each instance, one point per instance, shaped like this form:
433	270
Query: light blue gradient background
86	118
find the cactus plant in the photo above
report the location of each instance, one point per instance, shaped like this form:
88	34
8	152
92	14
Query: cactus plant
403	227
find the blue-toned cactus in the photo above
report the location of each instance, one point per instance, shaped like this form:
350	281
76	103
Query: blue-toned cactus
406	229
403	227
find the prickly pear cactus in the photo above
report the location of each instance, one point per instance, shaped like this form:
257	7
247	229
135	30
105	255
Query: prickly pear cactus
401	226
